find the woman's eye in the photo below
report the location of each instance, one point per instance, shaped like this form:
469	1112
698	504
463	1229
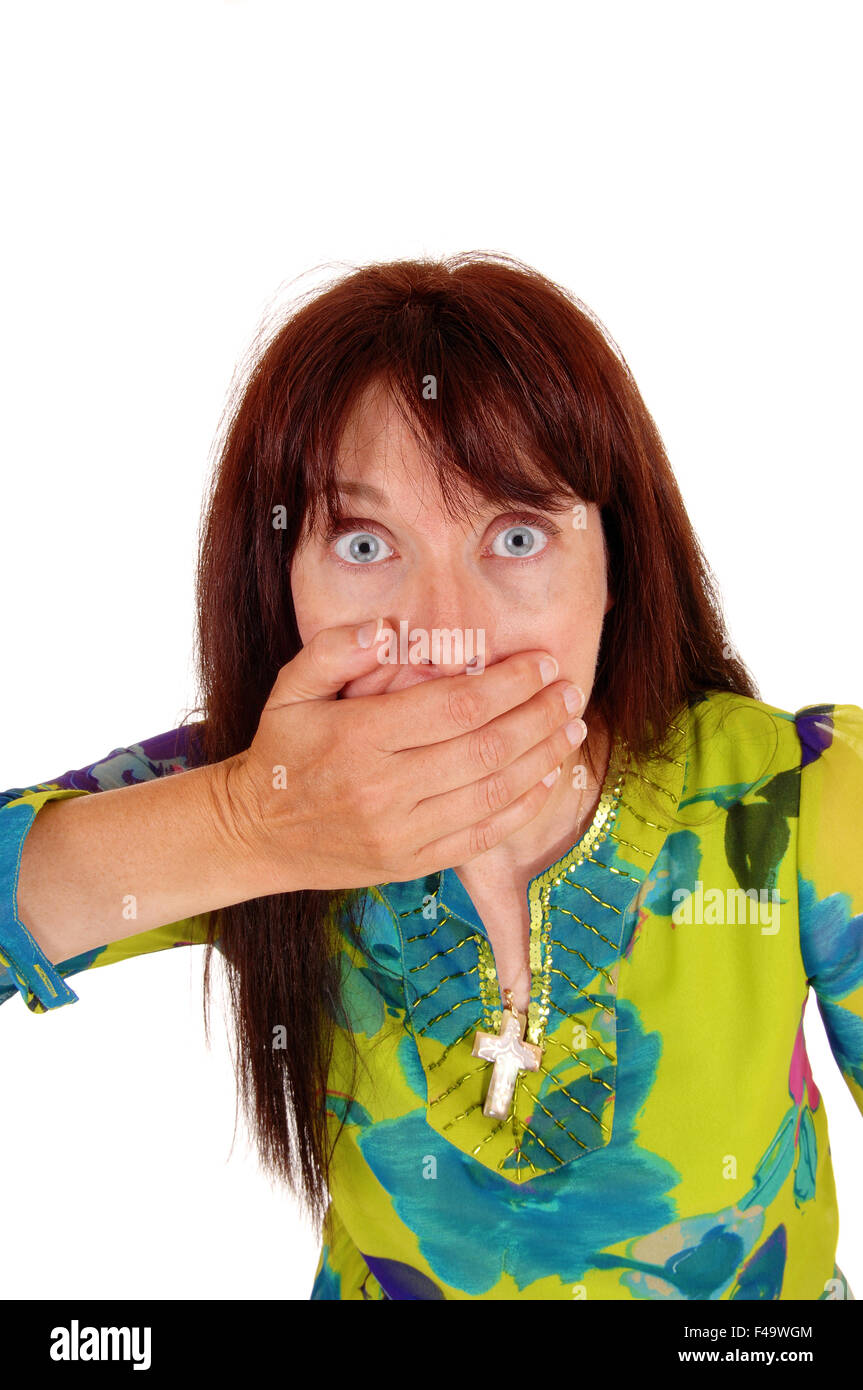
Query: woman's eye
360	547
517	540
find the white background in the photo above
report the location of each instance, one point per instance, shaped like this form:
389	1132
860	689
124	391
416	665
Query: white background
171	171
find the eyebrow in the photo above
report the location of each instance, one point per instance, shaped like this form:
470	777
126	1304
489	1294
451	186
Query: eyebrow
364	490
370	493
350	487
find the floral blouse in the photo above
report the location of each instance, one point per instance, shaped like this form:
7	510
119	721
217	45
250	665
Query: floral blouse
671	1143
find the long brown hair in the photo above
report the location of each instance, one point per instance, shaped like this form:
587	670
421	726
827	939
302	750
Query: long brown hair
533	402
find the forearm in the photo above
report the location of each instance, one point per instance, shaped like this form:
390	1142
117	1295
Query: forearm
98	868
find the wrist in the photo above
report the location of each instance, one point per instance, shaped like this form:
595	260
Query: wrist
240	829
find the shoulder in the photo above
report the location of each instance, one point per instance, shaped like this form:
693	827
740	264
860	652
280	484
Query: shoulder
831	764
838	727
732	737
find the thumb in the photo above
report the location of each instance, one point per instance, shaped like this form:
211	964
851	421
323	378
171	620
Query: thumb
333	657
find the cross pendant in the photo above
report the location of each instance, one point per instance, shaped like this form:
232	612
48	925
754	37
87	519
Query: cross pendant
510	1054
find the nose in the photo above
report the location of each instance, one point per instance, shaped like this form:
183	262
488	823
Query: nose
442	626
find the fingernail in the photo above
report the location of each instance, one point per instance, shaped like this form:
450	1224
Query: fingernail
548	669
576	731
551	777
573	698
369	632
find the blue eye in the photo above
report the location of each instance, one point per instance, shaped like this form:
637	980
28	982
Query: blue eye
520	542
357	545
361	547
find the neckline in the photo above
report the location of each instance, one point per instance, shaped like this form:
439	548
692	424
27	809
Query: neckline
538	904
583	921
455	899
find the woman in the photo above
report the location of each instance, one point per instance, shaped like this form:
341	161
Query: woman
405	887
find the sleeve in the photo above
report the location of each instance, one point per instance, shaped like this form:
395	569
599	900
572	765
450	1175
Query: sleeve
24	967
830	876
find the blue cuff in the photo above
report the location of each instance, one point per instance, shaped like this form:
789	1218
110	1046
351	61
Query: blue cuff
29	969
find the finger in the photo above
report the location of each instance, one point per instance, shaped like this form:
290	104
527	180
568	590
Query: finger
449	706
326	663
464	845
479	800
488	751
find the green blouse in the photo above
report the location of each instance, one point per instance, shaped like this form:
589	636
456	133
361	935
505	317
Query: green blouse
672	1143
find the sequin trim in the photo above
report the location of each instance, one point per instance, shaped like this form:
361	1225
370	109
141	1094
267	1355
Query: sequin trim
540	947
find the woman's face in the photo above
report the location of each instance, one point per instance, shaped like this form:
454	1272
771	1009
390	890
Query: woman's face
412	563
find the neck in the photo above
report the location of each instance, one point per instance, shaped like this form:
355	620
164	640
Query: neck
564	818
